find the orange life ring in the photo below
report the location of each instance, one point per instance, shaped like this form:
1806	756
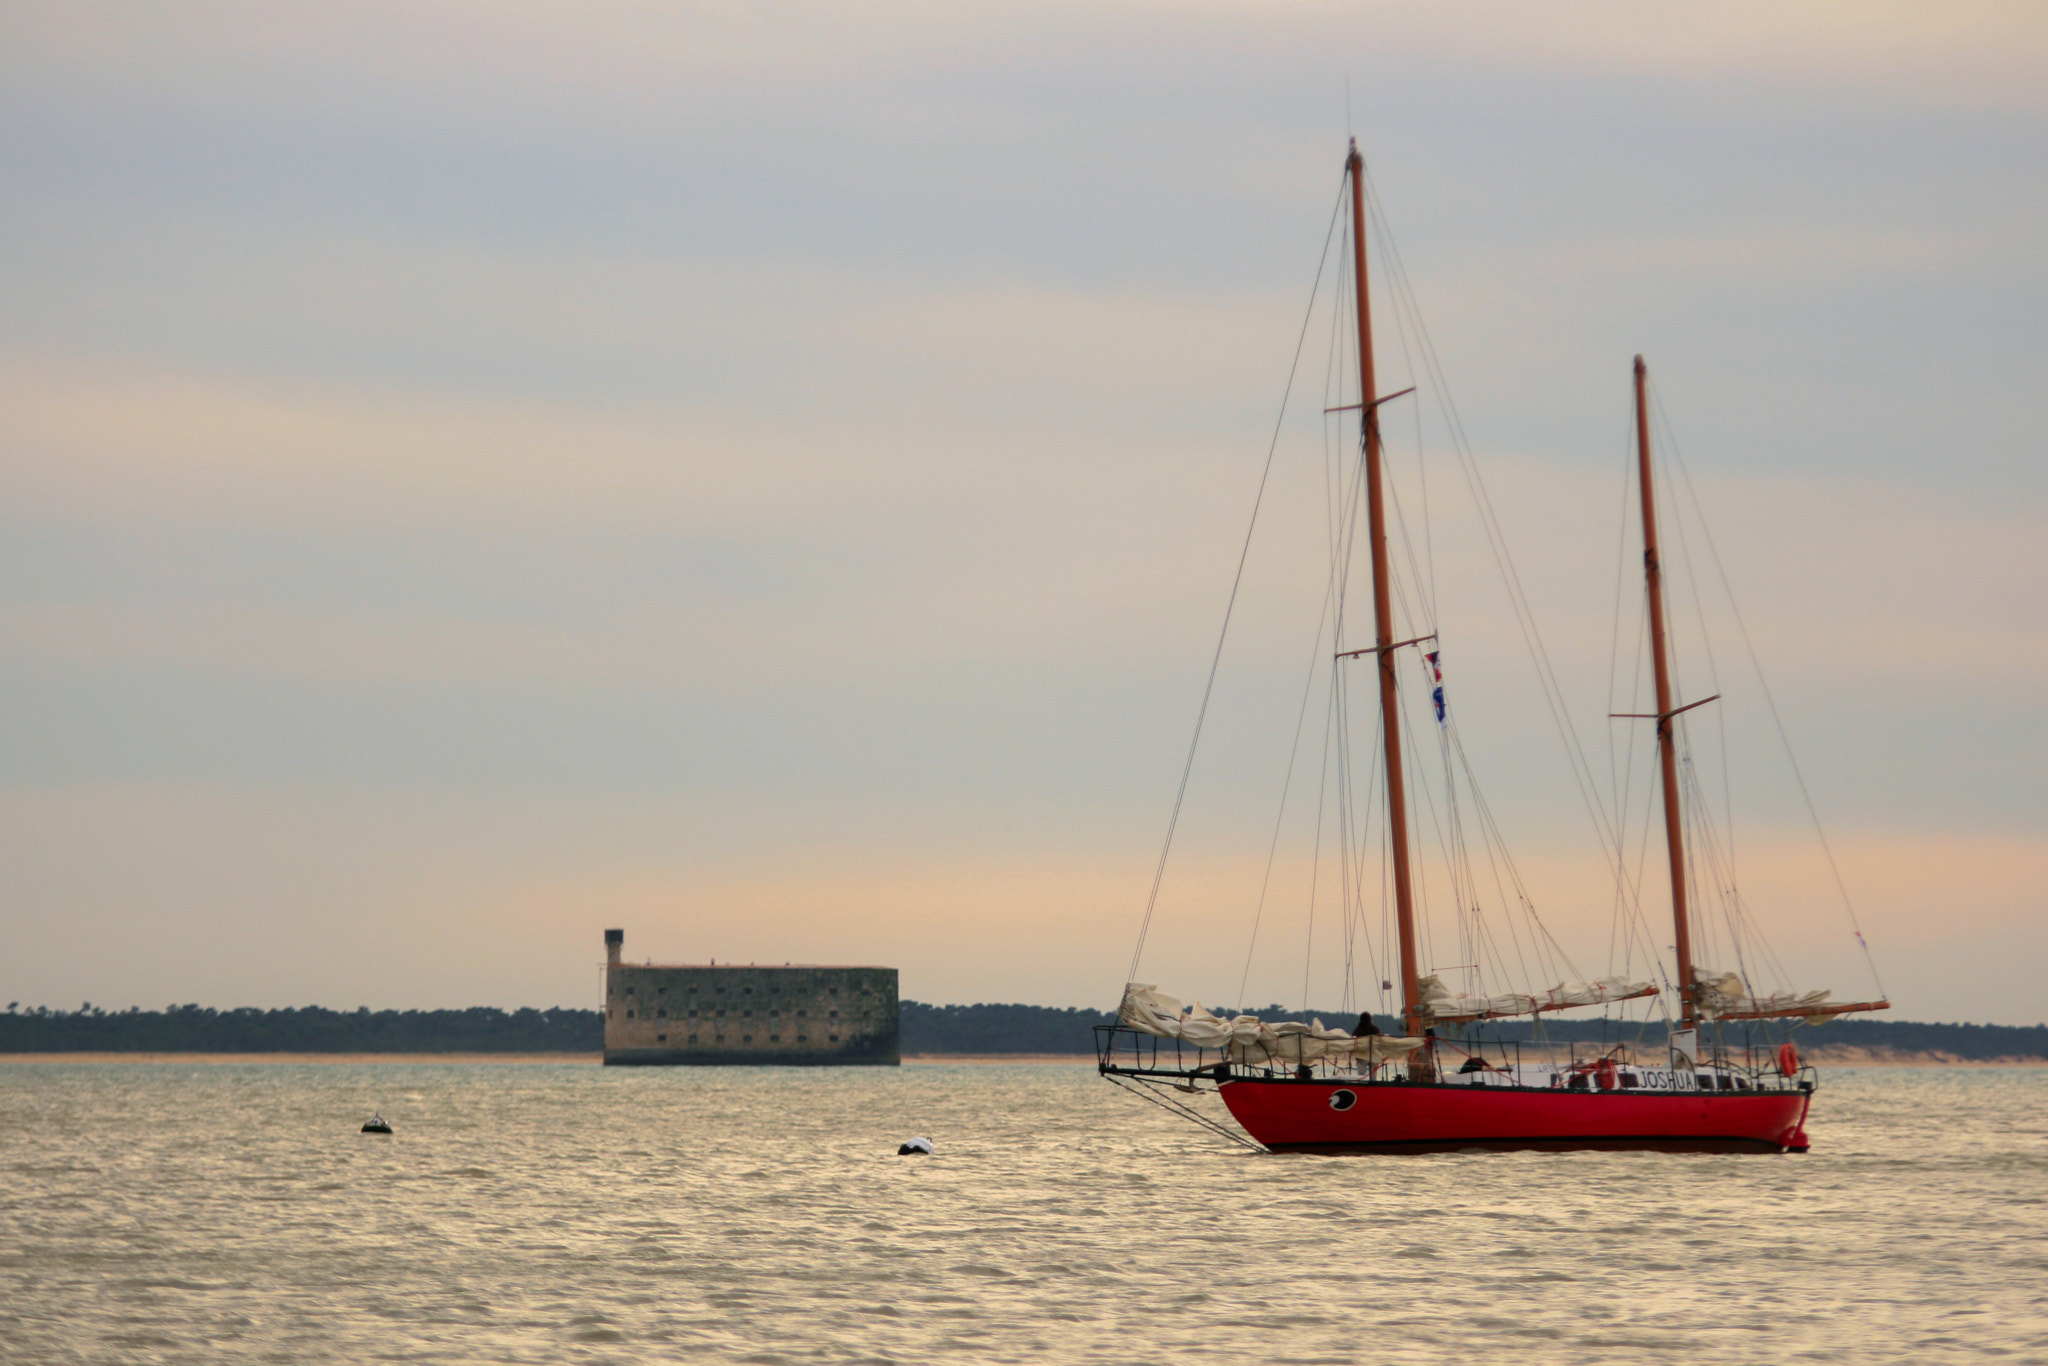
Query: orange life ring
1788	1060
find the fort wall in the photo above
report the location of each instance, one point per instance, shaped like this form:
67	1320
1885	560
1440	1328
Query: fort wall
674	1014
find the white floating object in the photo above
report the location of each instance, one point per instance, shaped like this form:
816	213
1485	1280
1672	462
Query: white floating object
914	1145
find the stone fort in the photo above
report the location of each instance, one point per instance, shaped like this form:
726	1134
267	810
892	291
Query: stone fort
675	1014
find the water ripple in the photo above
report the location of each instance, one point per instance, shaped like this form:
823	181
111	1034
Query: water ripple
532	1214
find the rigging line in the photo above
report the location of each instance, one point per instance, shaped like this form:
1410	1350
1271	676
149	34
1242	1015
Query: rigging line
1638	924
1347	806
1742	920
1770	702
1353	873
1407	620
1701	851
1692	586
1622	778
1427	613
1334	381
1402	321
1498	855
1315	874
1458	858
1184	1110
1334	500
1346	523
1614	630
1403	295
1420	886
1355	839
1743	939
1347	546
1743	926
1387	932
1372	793
1286	786
1582	773
1629	891
1457	852
1421	449
1236	582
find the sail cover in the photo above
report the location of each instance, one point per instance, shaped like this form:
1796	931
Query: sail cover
1149	1011
1249	1040
1440	1002
1725	993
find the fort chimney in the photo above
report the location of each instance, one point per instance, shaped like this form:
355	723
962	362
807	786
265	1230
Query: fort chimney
614	942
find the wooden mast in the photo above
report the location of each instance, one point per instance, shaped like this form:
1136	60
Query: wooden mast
1383	613
1667	750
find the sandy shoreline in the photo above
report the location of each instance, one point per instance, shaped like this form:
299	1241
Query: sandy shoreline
1837	1056
1843	1055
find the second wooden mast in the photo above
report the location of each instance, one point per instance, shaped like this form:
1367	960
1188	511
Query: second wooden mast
1667	715
1383	614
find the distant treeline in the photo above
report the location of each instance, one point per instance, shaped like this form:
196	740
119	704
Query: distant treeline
925	1029
307	1029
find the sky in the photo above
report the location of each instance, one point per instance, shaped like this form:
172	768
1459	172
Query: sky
769	476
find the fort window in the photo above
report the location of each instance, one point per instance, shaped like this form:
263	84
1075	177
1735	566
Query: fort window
790	999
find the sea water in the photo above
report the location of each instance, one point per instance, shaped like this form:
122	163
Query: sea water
230	1212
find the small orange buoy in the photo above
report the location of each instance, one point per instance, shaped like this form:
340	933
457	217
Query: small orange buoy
1788	1060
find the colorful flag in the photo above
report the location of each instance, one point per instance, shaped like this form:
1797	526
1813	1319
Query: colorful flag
1433	656
1438	698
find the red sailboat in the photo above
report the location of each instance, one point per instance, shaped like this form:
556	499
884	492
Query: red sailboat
1297	1086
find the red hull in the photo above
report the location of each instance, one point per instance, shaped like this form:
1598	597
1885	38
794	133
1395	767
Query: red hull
1297	1116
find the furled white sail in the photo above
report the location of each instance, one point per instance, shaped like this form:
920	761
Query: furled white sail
1149	1011
1725	993
1440	1002
1250	1041
1291	1043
